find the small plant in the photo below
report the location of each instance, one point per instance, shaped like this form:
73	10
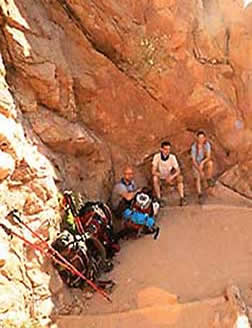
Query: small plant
149	50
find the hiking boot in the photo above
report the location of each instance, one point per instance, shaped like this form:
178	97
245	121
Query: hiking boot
201	200
210	182
182	202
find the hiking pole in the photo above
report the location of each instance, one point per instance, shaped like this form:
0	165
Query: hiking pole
72	208
11	233
80	228
53	253
49	252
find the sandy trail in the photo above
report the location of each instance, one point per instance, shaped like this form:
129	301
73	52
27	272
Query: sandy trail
201	250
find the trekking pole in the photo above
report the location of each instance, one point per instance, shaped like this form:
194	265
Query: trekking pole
10	232
53	253
80	228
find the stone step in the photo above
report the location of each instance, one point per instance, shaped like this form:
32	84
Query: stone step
189	315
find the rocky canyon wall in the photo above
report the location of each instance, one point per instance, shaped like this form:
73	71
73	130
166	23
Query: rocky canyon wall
87	86
101	84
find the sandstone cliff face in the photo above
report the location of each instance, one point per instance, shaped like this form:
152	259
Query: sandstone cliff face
101	84
27	184
87	86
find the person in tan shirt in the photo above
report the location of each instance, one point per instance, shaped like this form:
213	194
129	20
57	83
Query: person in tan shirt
165	167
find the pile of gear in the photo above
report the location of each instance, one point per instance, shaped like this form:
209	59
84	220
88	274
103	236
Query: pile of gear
85	247
88	240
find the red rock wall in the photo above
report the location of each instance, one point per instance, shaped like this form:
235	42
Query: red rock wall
86	86
102	83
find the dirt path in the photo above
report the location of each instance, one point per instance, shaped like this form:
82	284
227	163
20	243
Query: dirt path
201	250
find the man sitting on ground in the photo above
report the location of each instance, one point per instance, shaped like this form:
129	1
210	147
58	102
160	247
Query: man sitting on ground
123	192
165	167
202	163
135	206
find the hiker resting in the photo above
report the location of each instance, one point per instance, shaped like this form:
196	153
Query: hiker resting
134	206
123	192
165	168
202	163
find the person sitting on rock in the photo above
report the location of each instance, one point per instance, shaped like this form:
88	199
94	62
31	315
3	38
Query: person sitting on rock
202	163
123	192
165	167
135	206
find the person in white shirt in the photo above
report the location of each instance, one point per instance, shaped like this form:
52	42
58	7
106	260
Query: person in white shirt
165	167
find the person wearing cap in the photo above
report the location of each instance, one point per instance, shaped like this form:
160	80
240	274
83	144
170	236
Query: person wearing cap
165	167
202	163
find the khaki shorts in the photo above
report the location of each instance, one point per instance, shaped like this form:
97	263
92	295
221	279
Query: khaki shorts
176	181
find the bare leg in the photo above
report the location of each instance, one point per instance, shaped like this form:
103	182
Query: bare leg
198	184
209	169
180	187
204	181
156	185
198	180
